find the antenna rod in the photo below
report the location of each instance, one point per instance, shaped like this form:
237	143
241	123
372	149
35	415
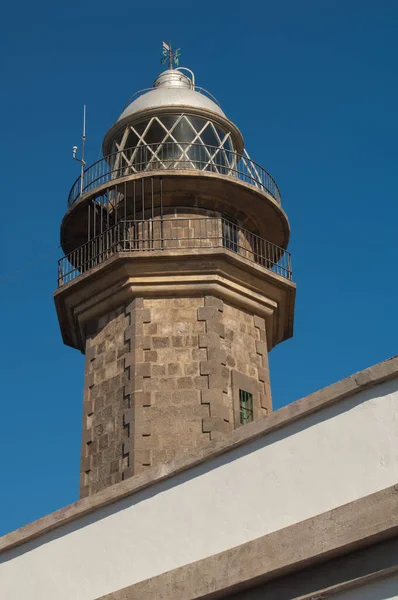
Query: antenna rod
171	56
74	151
83	162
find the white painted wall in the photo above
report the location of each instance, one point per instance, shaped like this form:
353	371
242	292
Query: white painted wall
337	455
385	589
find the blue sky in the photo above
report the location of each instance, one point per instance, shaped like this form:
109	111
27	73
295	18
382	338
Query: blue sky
312	85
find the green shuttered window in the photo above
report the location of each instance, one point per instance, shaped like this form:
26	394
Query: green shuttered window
245	407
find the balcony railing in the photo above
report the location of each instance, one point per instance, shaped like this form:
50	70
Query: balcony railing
169	156
176	234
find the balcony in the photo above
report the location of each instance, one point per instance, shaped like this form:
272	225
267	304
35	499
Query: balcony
177	235
174	156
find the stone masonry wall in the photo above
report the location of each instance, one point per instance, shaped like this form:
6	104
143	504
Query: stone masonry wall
163	377
176	412
246	352
104	403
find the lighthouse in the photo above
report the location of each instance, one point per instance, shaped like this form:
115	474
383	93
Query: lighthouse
175	283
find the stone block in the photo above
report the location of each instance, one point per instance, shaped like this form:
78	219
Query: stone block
139	383
182	355
167	384
218	382
210	424
160	342
185	383
128	445
91	446
209	396
101	347
116	477
111	370
259	322
84	490
90	353
217	435
151	329
181	397
141	369
145	315
265	399
207	313
261	347
142	457
88	436
122	350
129	333
209	367
110	356
89	380
215	302
99	428
251	370
174	369
136	384
214	326
229	335
159	370
209	340
177	341
151	356
221	411
115	467
88	407
231	362
142	315
142	428
217	355
141	398
153	384
191	368
263	374
129	387
201	382
85	464
103	441
134	304
143	341
128	416
128	472
198	354
165	328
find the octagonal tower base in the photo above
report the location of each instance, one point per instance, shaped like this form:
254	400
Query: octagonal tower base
171	341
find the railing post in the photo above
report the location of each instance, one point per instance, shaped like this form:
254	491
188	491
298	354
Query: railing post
60	279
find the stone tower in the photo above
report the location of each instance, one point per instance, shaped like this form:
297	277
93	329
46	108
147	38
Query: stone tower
175	283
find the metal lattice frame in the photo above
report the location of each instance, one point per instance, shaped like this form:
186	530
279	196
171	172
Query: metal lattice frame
211	152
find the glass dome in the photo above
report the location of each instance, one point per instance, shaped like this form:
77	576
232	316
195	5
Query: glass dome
173	141
172	126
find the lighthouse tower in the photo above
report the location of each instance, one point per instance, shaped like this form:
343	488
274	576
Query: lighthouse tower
175	284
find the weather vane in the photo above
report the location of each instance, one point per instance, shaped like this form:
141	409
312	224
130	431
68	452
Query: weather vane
169	55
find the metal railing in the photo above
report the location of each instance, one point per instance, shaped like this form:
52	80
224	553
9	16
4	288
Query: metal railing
170	156
173	234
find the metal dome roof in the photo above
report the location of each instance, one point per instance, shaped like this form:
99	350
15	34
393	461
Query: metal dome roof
172	88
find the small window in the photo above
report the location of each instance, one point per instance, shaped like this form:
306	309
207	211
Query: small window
245	407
